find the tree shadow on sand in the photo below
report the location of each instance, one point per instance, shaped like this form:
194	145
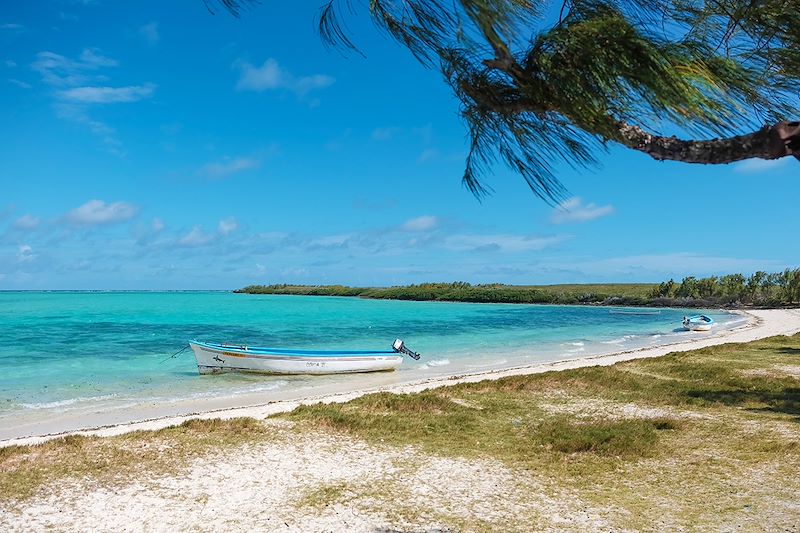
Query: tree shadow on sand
784	401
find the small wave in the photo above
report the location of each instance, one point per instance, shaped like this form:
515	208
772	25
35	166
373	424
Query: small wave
436	362
64	403
263	388
620	340
493	363
577	350
573	344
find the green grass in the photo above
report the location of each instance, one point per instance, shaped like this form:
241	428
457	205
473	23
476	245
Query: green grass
712	431
25	469
509	419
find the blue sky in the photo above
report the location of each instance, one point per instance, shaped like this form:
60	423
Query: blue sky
152	145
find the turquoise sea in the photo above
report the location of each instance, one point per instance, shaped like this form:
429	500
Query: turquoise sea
79	355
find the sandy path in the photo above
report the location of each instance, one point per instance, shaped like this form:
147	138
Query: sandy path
763	323
280	486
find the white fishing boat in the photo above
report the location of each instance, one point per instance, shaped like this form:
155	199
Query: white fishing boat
698	323
214	358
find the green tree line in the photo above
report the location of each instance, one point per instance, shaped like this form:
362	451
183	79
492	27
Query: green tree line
760	288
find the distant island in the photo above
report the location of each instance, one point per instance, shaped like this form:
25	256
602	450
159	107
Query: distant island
760	289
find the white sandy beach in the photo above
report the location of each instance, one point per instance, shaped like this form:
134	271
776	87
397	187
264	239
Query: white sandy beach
762	323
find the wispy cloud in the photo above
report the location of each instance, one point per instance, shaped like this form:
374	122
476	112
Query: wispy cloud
149	32
10	63
228	167
78	89
574	210
661	266
754	166
502	242
25	253
26	223
107	95
98	212
423	223
427	155
58	70
227	226
12	27
19	83
271	76
196	237
384	134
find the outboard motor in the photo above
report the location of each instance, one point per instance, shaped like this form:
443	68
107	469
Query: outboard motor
400	347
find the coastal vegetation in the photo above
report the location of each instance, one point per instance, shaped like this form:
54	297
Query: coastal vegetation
761	289
646	442
619	293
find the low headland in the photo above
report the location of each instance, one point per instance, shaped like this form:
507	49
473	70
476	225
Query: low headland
759	290
699	436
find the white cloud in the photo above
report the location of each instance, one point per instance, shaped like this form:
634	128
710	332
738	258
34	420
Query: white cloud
196	237
502	242
97	212
59	70
330	242
270	76
752	166
26	223
107	95
157	225
227	225
91	58
149	32
80	88
573	210
227	167
423	223
25	253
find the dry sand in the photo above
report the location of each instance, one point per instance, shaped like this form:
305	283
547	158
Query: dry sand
762	323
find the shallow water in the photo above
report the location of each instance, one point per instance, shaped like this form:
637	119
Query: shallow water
94	352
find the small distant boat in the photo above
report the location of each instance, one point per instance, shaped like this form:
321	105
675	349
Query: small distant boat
698	322
214	358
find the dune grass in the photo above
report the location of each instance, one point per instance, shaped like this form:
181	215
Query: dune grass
26	469
505	418
700	438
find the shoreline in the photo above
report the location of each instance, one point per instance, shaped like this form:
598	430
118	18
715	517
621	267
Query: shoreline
761	324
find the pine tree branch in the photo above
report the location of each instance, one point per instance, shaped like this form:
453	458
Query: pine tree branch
770	142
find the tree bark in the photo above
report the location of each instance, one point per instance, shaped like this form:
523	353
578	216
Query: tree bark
770	142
